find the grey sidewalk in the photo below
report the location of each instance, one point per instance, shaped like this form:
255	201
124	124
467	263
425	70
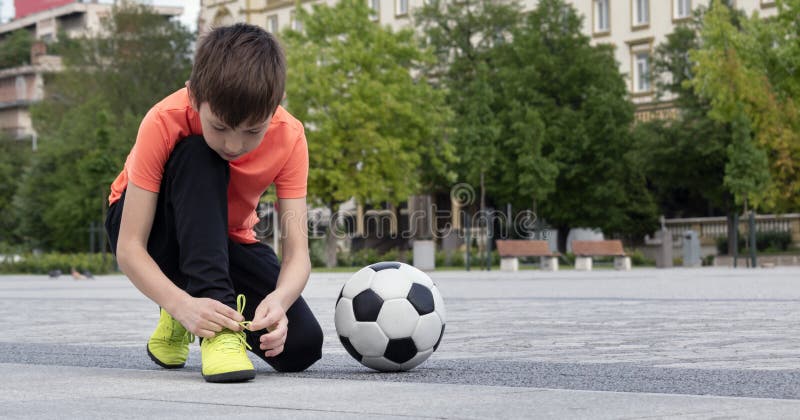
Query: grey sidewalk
685	343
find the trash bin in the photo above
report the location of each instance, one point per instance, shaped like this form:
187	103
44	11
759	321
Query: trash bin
691	249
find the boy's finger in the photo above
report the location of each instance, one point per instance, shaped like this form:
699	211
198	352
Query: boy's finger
274	352
262	321
261	311
226	322
271	320
205	333
229	312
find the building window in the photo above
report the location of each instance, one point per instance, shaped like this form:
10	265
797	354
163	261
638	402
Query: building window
641	72
767	3
272	23
601	17
401	7
681	9
375	6
295	24
641	12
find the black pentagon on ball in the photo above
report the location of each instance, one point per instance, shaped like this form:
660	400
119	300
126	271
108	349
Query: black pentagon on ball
400	350
384	265
441	334
421	298
366	306
341	293
350	349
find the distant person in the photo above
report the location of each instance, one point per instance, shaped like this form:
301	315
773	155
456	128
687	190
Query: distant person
182	213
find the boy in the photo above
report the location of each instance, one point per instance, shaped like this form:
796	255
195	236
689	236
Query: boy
182	212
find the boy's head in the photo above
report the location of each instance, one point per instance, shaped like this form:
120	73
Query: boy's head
239	71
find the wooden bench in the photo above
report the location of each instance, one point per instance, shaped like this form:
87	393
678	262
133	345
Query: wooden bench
510	251
585	250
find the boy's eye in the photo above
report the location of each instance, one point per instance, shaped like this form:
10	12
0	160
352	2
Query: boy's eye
254	132
218	128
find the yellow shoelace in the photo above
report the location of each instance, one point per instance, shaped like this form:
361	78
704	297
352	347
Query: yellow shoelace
234	345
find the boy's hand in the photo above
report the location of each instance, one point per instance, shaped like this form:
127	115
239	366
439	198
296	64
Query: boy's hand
205	317
270	314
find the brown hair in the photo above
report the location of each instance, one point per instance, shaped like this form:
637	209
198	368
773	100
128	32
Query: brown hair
240	70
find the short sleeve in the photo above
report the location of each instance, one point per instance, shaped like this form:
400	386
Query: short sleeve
146	161
291	181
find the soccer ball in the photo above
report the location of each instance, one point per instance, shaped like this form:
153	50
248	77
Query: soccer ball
390	316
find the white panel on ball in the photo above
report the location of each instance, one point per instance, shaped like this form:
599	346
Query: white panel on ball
358	282
417	275
398	318
427	332
417	360
344	318
390	284
368	339
438	303
381	363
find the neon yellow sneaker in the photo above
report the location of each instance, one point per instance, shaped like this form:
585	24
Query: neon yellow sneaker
169	344
224	356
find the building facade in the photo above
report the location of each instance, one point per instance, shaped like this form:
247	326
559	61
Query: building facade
21	86
633	27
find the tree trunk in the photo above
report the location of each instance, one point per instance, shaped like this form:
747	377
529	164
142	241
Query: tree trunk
330	241
732	237
330	249
563	231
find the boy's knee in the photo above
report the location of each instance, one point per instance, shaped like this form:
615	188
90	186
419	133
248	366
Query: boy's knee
192	157
195	147
303	357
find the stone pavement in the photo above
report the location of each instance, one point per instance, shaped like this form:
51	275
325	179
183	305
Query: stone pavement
679	343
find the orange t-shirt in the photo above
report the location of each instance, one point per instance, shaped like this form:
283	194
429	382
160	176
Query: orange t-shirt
282	158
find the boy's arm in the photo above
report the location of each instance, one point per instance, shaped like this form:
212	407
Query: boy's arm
295	269
295	262
201	316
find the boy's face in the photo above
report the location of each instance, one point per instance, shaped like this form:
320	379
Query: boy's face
230	143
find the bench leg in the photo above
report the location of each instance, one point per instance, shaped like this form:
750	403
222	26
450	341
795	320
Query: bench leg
509	264
549	263
622	263
583	263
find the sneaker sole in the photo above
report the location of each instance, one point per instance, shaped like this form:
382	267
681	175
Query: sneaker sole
160	363
236	376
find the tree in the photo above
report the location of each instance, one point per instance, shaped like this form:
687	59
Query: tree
748	74
14	156
15	50
696	186
540	112
464	37
89	119
573	94
374	125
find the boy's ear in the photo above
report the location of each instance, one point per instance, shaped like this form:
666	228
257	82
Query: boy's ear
191	96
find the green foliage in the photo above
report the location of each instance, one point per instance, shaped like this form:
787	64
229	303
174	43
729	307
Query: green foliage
44	263
454	259
374	128
14	156
747	171
747	69
581	98
639	260
316	251
539	111
367	256
15	49
464	36
765	242
89	120
694	187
